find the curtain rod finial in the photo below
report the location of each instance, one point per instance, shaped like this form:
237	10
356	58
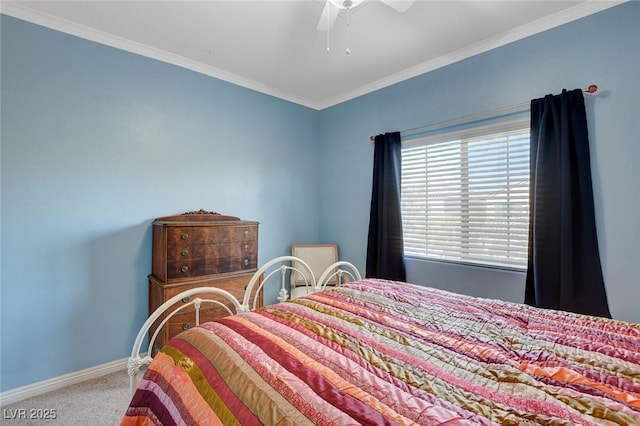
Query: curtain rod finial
592	89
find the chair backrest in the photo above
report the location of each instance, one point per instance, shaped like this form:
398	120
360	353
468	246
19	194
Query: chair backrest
318	257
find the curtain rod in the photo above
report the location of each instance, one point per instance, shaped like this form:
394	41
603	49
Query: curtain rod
591	90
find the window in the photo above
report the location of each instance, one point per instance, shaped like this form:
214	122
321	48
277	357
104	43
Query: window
465	195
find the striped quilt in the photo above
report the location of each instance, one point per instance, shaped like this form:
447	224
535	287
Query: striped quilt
377	352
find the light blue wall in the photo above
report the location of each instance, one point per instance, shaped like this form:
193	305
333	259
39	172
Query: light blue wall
96	142
601	49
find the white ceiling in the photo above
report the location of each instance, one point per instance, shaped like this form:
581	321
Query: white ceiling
274	46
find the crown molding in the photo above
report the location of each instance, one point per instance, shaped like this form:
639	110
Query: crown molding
538	26
72	28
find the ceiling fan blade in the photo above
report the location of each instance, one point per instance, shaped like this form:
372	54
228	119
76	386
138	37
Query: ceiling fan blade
329	15
399	5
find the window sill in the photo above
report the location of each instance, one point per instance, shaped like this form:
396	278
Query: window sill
475	265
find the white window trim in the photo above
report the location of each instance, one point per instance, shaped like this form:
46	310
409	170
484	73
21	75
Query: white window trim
470	133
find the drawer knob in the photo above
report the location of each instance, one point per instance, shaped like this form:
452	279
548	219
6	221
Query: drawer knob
185	299
185	252
246	247
184	236
186	326
246	233
246	262
184	268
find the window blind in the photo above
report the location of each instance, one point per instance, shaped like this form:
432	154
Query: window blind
465	195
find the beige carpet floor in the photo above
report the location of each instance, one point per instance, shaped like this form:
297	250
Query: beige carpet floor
99	402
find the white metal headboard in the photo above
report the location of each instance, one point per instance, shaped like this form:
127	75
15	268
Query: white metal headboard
270	269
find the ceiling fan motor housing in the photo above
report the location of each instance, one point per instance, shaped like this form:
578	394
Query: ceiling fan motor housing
332	9
345	4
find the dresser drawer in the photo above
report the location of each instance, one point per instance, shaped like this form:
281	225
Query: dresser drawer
187	268
160	291
235	285
212	251
182	322
193	235
197	235
186	319
243	233
212	259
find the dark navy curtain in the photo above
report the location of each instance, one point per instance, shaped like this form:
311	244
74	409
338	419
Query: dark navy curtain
385	248
564	269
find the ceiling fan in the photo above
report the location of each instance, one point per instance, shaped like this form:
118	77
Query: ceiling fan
332	9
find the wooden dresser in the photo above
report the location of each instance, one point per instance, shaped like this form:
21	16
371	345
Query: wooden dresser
199	249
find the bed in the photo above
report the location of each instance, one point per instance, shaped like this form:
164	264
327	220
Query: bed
381	352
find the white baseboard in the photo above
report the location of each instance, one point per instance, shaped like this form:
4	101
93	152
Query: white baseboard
39	388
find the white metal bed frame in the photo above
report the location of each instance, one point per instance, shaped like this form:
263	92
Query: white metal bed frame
263	275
